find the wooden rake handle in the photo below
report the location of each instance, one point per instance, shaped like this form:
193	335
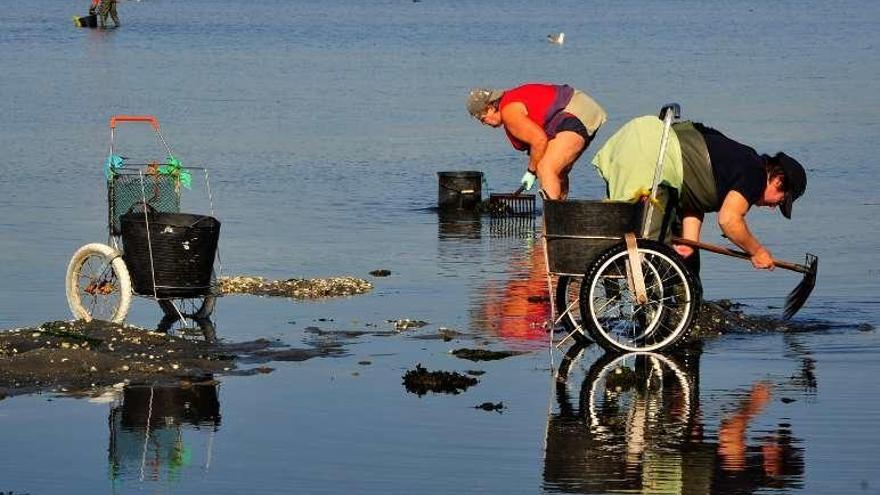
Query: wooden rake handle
739	254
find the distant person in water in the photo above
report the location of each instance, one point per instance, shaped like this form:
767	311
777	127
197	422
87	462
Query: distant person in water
105	8
554	124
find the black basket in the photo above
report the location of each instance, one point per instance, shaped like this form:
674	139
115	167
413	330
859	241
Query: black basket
577	231
87	21
183	248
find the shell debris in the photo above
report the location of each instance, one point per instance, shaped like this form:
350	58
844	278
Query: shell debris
298	288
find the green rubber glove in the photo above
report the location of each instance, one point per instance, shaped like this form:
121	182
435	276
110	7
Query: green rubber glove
528	180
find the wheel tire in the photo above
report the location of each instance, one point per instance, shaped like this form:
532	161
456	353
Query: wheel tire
98	284
668	325
566	287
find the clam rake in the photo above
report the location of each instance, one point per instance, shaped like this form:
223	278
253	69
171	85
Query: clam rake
797	297
512	205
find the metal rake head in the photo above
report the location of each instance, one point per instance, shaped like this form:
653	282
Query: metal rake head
801	293
511	205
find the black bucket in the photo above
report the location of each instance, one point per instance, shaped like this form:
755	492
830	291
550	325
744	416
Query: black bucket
87	21
459	190
183	248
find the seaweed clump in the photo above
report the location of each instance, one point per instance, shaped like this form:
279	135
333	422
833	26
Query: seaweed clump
483	355
420	381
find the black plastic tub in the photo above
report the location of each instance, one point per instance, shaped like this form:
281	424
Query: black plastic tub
183	247
460	190
577	231
87	21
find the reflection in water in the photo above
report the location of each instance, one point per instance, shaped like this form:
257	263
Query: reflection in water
189	317
464	224
517	308
157	432
638	427
805	378
188	327
521	226
511	299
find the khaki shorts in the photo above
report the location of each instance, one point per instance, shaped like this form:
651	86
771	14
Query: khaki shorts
587	111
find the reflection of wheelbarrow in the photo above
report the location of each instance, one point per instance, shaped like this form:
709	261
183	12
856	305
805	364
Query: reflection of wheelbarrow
619	416
169	256
155	429
627	292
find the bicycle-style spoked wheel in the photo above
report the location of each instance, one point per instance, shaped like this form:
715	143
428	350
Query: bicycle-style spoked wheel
617	321
568	308
98	285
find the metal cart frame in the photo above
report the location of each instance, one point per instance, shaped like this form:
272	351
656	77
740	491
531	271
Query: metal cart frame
98	281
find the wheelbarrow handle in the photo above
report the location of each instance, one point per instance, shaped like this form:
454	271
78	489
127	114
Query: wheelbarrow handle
134	118
675	108
739	254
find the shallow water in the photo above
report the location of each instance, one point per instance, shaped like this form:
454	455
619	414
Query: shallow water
323	127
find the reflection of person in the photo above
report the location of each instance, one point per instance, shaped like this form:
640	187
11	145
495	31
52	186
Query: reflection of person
518	310
107	7
704	171
732	432
553	123
739	463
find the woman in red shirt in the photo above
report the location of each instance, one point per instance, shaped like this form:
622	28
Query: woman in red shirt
553	123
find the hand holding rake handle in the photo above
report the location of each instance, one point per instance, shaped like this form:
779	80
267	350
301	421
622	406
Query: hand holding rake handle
739	254
797	297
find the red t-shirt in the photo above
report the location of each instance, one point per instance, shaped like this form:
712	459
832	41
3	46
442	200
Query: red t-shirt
542	101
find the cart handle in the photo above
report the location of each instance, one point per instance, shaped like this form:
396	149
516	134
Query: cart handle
134	118
675	108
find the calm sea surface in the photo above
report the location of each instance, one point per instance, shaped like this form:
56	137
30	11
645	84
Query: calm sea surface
323	125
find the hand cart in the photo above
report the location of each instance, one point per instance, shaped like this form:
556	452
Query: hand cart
614	286
168	256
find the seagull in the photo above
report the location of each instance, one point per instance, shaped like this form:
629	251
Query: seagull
556	39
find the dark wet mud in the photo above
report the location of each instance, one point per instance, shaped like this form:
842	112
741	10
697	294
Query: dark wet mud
483	354
67	357
725	317
491	406
420	381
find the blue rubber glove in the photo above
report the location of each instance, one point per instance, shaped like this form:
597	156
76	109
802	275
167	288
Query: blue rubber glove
528	180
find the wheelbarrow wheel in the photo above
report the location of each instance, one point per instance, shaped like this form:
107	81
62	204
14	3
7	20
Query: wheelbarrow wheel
609	309
98	284
568	290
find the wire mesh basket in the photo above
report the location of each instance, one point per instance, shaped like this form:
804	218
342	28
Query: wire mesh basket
128	188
